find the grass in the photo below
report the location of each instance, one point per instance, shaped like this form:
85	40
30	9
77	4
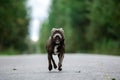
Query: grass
9	52
107	47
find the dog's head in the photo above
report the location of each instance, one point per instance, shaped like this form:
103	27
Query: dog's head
57	35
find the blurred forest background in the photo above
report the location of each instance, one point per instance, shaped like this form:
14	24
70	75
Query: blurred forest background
14	22
91	26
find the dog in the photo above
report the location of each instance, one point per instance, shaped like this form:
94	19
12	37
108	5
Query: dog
55	46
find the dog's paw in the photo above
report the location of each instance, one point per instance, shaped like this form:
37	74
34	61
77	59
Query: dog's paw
50	67
55	66
60	69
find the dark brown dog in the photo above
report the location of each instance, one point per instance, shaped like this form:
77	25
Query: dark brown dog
55	46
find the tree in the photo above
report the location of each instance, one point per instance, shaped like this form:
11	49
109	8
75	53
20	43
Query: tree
90	25
13	24
73	19
104	30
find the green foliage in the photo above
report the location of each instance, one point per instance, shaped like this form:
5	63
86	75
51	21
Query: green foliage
9	51
107	47
104	29
69	16
13	24
45	32
90	25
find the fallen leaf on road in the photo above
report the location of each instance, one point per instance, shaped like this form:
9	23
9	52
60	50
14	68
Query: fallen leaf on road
14	69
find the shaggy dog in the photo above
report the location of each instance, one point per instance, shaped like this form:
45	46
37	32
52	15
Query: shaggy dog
55	46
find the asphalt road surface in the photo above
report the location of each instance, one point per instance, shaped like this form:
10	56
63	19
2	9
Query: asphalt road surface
75	67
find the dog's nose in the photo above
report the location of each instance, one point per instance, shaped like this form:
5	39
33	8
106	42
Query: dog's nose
57	36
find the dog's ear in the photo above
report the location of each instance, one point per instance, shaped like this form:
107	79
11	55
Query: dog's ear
53	30
61	29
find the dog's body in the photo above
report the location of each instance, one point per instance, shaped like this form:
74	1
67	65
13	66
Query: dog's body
55	46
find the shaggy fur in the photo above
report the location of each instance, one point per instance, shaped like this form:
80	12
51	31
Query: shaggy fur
55	46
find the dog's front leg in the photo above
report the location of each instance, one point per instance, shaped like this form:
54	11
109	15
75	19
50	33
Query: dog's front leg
60	56
55	66
49	62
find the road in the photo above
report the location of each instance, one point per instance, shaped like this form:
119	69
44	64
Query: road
75	67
